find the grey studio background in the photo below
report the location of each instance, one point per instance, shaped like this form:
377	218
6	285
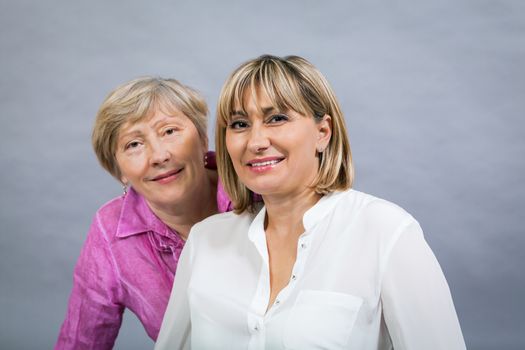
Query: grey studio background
433	94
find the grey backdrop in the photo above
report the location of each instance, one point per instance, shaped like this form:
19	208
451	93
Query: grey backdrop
433	94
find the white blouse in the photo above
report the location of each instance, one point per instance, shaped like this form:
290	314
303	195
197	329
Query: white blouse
364	278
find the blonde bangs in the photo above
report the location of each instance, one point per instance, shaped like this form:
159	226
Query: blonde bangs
279	84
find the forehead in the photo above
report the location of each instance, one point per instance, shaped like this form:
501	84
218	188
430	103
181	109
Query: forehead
253	99
153	118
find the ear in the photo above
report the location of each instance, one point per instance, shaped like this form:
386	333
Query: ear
324	133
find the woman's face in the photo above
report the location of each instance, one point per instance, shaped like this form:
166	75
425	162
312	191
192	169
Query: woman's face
275	152
161	157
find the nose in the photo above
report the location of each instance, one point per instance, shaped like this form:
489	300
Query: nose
258	140
159	153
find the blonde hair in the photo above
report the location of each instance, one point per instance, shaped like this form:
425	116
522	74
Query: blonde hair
291	83
135	100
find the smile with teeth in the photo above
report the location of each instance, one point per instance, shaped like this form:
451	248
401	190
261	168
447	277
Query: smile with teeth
266	163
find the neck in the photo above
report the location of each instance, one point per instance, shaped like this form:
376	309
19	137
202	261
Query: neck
182	216
284	215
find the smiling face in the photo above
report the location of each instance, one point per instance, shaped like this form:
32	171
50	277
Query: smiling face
274	152
161	157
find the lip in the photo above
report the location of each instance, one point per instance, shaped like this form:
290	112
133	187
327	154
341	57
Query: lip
262	165
167	176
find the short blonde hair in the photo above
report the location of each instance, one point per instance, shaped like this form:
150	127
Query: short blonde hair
135	100
291	83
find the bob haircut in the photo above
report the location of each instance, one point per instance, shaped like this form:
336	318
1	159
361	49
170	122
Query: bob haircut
136	100
291	83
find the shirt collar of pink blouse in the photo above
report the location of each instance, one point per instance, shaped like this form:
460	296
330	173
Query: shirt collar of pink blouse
136	217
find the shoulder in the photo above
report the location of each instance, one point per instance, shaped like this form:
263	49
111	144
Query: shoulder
373	223
372	207
107	218
112	206
375	218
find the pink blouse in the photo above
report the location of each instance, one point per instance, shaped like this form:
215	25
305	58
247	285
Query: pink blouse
128	261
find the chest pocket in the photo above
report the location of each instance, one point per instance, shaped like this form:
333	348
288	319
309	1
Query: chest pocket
321	320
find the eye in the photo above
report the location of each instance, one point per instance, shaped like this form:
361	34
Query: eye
132	144
170	131
238	124
277	118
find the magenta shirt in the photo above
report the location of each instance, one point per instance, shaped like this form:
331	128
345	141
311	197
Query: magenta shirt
128	261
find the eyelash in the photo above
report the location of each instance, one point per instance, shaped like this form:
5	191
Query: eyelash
130	145
170	131
135	144
240	124
236	124
283	117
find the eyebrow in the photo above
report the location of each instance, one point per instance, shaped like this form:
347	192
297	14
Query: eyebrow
168	119
131	133
268	110
239	113
264	110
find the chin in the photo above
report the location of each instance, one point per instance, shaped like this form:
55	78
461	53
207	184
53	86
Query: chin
265	190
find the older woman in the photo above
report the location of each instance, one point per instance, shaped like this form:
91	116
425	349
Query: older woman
150	134
321	266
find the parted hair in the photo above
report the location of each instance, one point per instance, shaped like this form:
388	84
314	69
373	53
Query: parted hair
291	83
134	101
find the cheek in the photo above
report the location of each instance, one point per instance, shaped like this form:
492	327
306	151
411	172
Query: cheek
131	165
191	147
230	146
130	170
234	149
303	154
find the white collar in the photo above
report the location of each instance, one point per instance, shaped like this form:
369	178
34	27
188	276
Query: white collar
311	217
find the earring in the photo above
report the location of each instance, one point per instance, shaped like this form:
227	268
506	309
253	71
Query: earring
209	161
320	151
124	189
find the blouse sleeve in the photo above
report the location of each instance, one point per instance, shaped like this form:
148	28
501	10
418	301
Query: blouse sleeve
175	332
94	314
417	304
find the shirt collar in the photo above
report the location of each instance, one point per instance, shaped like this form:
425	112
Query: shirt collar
310	218
320	210
136	217
257	235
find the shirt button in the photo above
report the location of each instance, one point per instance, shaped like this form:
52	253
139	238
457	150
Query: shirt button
256	328
303	245
294	277
277	302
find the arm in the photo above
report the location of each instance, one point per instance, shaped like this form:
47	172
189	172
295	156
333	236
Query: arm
94	315
175	332
417	305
